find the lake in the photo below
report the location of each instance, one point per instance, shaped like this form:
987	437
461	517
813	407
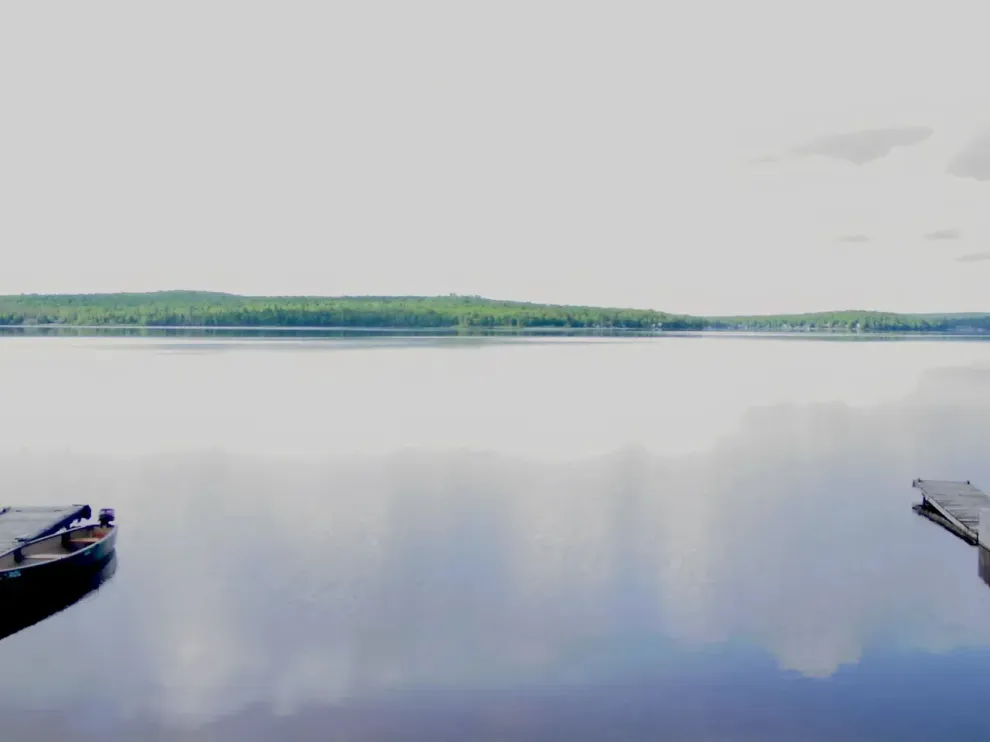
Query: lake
482	538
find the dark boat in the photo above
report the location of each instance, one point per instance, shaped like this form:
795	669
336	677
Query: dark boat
47	564
34	607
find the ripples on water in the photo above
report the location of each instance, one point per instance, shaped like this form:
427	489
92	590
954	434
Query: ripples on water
634	540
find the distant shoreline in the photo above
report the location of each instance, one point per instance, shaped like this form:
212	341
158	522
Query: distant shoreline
233	331
173	310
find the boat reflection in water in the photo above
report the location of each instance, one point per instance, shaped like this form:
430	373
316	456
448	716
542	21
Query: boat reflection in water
26	610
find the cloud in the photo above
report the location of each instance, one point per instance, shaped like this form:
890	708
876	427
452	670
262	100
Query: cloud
943	234
765	160
861	147
973	257
854	238
973	160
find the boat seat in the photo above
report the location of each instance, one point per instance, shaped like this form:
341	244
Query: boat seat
85	540
43	556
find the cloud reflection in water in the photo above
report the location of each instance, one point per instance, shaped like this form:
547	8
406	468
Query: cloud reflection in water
409	594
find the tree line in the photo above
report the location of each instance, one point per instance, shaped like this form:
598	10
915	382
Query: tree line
206	309
177	308
852	321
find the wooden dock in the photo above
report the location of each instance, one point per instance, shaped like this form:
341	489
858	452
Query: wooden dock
20	524
956	507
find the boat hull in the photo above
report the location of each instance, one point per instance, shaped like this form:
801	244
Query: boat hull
25	581
31	608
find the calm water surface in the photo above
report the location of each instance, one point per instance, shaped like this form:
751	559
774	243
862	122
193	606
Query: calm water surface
492	539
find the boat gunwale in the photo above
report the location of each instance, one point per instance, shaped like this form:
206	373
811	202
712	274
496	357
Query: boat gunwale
111	531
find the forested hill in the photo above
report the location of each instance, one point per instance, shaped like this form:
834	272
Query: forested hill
854	320
192	308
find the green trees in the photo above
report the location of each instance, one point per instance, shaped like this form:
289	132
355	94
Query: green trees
214	310
852	321
191	308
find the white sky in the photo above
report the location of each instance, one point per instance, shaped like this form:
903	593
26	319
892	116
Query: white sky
583	152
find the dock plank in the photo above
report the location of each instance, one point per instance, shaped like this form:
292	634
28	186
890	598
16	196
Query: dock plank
19	524
958	503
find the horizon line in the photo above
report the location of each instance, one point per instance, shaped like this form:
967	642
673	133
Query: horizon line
720	316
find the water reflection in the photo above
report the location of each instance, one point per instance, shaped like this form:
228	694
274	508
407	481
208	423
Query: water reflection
28	610
151	331
565	398
400	596
774	587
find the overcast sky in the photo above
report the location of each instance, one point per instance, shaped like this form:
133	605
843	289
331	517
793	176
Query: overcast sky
695	157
